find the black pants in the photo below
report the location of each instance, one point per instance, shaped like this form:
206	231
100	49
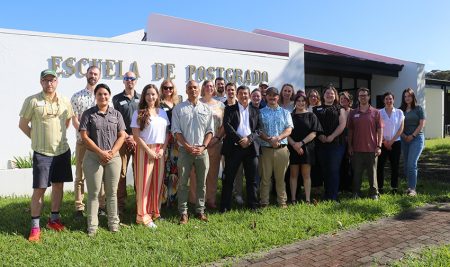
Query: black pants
249	160
394	157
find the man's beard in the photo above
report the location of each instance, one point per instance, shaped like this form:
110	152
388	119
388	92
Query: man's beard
91	81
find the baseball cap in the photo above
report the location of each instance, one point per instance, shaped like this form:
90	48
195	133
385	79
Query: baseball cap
264	83
272	90
48	72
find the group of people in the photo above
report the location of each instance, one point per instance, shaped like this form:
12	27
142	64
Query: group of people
177	148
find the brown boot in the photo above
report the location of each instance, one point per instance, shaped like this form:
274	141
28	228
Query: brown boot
184	219
201	217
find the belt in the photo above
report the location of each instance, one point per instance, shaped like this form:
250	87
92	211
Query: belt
278	147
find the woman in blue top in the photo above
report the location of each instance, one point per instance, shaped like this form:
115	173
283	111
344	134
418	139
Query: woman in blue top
412	137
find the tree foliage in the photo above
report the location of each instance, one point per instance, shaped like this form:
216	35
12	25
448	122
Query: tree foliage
438	74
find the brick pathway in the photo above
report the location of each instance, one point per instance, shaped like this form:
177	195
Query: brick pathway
374	243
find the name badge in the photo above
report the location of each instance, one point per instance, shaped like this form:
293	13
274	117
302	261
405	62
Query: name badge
122	102
318	109
136	100
40	103
356	116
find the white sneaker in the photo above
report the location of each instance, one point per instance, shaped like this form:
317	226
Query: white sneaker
151	225
239	200
412	193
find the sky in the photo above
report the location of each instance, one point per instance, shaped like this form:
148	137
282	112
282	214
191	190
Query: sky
411	30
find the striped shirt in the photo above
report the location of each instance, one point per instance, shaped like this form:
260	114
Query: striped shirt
48	123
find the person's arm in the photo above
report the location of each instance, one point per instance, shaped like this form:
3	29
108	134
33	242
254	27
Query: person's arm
419	128
379	140
140	142
75	122
180	138
341	126
24	125
309	138
119	142
398	134
103	154
228	128
198	150
284	134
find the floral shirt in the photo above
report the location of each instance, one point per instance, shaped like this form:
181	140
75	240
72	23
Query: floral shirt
274	122
82	101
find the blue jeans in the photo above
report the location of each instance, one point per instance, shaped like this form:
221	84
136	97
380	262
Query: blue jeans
330	158
411	153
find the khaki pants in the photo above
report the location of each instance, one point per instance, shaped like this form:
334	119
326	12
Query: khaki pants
122	187
185	163
276	161
215	156
78	190
97	173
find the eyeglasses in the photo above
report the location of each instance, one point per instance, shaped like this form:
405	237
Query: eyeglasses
167	87
312	96
363	95
48	81
129	78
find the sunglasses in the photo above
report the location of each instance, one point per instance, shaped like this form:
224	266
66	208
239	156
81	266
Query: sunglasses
167	87
129	78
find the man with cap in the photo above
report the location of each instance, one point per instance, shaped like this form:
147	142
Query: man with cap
82	101
44	118
276	127
126	103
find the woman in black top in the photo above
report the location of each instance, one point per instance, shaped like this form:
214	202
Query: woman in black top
301	145
169	98
331	141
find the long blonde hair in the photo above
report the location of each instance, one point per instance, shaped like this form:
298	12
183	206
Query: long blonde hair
174	97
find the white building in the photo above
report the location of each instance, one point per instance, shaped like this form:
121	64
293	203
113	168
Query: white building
181	50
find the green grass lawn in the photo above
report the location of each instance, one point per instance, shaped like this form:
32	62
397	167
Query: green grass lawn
233	234
430	257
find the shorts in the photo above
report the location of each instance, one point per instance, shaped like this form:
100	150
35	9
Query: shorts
51	169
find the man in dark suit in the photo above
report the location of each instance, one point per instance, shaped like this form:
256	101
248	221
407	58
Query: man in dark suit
241	123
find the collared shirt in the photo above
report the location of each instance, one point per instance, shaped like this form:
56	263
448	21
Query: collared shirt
391	123
363	127
274	121
82	101
193	122
220	98
126	107
102	128
48	123
244	123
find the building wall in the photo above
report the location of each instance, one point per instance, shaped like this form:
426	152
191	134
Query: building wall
412	75
24	54
434	112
